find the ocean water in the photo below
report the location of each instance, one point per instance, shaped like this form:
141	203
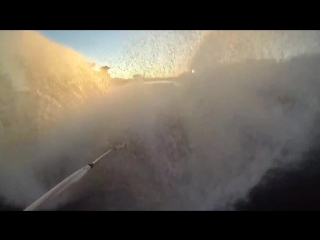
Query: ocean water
237	134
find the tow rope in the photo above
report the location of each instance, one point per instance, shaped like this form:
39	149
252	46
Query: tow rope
66	183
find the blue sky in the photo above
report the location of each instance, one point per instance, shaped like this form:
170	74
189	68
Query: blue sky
105	47
150	53
97	45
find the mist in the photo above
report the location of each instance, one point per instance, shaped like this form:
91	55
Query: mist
201	145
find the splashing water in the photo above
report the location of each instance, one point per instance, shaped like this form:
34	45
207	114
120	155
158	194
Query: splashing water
201	145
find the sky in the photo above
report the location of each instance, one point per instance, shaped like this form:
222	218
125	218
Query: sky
105	47
97	45
149	53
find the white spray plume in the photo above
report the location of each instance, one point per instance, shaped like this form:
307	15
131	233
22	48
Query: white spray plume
199	146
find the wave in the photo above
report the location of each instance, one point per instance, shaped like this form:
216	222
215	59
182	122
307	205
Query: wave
205	144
